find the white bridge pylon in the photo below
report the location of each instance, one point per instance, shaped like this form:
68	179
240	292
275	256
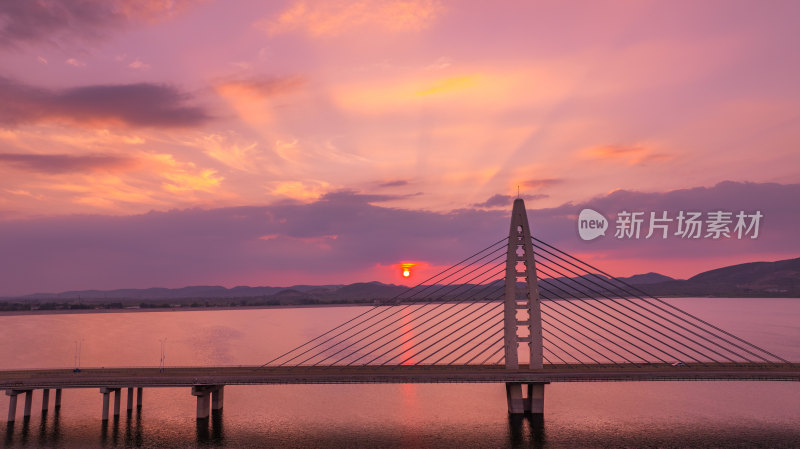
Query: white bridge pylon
523	313
523	310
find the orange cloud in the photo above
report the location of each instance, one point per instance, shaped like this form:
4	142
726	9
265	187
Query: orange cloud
308	190
331	18
537	184
252	98
261	87
479	90
105	182
183	181
627	154
449	85
240	156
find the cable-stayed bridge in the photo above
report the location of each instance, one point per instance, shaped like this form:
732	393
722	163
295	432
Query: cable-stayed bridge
519	312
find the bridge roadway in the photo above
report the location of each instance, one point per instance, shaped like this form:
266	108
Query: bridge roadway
254	375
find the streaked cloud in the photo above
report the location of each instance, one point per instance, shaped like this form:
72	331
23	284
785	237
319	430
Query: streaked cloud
505	201
394	183
183	181
243	156
64	163
56	20
326	18
109	183
262	87
537	184
304	191
135	105
139	65
627	154
25	193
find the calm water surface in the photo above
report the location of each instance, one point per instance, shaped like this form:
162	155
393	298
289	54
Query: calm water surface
645	414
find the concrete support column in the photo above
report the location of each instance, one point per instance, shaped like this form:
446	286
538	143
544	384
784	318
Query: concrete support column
217	398
129	404
532	403
28	403
12	405
105	392
139	398
58	398
514	398
203	394
45	400
203	406
535	400
117	393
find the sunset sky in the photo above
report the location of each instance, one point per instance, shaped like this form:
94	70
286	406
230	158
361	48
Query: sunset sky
171	143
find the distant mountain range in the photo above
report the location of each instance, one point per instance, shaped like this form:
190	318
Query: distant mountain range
781	278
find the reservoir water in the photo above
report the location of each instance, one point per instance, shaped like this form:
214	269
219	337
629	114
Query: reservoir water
624	414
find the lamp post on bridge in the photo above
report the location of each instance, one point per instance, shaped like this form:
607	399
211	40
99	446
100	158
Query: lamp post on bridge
78	348
163	360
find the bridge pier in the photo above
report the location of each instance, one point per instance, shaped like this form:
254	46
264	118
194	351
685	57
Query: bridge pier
58	399
129	403
105	392
139	398
117	392
518	403
217	397
12	403
28	404
45	400
208	396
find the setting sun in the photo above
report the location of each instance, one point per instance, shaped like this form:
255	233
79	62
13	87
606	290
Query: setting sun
406	267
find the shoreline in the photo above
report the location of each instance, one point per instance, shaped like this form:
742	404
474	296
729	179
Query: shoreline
172	309
286	306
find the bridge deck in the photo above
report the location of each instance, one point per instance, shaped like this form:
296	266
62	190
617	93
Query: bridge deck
253	375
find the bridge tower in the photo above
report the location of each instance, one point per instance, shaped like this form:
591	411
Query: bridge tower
523	318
